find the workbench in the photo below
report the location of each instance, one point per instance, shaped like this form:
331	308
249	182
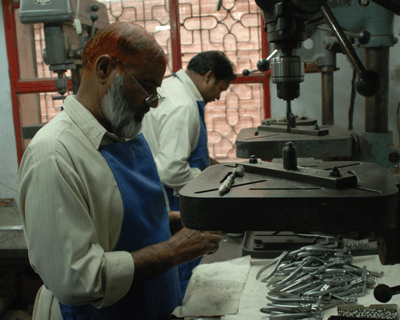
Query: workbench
13	249
253	296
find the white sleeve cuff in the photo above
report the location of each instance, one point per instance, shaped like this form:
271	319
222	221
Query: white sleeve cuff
119	277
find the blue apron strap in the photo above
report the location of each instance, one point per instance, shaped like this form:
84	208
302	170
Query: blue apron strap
176	76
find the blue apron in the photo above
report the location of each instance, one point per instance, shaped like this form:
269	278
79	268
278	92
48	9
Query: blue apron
199	158
145	223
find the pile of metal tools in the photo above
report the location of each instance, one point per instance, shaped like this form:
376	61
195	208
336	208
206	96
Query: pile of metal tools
305	282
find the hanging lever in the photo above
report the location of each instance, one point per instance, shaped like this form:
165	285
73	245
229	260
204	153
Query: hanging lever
262	64
368	82
363	37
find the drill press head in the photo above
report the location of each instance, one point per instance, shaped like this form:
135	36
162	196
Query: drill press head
288	23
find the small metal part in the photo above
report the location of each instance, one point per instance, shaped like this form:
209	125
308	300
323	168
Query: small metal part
239	170
335	172
289	157
300	130
253	159
288	115
316	127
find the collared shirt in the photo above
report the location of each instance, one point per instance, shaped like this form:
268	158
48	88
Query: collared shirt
172	130
72	213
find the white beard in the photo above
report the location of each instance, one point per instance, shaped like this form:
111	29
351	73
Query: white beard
117	112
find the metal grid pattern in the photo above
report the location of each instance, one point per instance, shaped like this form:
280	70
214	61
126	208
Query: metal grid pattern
234	29
153	15
49	108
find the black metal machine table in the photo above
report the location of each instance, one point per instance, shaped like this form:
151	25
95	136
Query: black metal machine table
333	197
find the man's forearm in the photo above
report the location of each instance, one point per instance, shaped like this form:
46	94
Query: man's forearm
184	246
152	261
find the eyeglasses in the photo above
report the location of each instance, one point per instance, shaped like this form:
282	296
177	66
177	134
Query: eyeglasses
151	99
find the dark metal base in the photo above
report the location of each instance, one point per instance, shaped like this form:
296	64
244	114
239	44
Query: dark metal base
303	121
268	145
258	201
270	244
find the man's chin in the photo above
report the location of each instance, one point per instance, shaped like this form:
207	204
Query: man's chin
139	117
130	132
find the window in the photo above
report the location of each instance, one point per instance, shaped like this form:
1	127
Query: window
234	29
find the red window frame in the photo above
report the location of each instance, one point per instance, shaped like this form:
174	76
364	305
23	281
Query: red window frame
19	86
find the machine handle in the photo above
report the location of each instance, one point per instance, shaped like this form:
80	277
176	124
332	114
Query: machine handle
262	64
368	82
93	17
363	36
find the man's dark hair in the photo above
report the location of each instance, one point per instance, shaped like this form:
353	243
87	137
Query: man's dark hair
216	61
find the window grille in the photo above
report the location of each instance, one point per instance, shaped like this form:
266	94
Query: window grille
234	29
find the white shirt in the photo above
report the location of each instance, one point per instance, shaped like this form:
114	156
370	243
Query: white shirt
172	130
72	213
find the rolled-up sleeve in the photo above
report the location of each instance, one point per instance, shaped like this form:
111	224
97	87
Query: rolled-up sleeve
63	243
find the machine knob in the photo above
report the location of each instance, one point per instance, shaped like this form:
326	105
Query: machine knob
263	65
364	37
94	17
95	7
368	83
246	72
384	293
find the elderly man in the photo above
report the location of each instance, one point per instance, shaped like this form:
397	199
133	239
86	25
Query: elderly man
176	131
91	201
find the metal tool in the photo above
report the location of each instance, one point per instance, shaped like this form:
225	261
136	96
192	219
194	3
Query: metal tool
318	286
227	184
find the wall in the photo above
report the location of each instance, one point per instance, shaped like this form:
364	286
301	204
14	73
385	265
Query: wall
8	149
309	103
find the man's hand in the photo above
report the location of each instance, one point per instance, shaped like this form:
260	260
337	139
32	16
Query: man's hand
184	246
188	245
174	215
175	224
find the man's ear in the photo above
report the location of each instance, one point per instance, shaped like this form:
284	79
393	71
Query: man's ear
104	66
209	76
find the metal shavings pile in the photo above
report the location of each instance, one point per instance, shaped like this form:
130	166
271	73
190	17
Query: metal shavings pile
369	313
313	278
